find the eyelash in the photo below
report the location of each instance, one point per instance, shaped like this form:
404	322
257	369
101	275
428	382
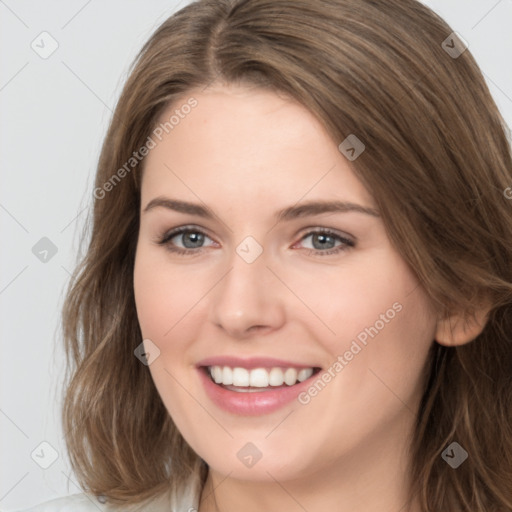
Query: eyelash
165	238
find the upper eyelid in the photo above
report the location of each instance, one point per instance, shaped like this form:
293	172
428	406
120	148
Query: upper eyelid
185	229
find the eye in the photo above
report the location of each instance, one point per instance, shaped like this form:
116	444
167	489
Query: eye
188	240
324	242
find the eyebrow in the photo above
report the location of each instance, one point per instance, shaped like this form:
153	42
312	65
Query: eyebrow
289	213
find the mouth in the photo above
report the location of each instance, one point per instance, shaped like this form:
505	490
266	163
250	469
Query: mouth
247	380
253	387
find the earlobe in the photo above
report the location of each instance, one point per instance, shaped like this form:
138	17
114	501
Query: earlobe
459	329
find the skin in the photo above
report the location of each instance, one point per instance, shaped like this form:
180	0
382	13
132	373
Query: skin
246	153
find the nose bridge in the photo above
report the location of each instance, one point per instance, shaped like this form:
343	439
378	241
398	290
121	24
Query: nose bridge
248	295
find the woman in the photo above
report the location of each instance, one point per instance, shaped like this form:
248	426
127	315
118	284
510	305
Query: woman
297	293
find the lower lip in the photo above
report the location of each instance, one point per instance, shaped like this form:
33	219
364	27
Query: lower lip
251	403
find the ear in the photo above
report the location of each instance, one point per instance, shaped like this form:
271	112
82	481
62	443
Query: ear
461	328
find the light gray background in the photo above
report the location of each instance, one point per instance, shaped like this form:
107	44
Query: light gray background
54	114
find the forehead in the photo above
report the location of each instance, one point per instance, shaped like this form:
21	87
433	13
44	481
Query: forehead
250	142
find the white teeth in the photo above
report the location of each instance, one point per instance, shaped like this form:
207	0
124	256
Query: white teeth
258	377
227	375
217	374
276	377
304	374
240	377
290	376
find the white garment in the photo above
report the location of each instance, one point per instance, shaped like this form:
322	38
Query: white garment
75	503
83	502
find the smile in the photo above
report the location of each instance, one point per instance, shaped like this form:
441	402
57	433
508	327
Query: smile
257	386
257	379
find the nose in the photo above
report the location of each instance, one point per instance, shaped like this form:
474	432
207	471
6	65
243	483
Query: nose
248	300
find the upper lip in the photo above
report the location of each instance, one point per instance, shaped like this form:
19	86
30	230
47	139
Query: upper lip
252	362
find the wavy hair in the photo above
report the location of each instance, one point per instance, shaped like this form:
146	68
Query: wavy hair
437	161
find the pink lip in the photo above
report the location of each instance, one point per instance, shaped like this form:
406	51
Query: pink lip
254	403
252	362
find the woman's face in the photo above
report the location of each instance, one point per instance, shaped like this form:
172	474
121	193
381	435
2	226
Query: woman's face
285	268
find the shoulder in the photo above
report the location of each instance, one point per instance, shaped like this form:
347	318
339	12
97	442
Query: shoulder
188	501
75	503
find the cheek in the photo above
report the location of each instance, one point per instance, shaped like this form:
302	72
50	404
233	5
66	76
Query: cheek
167	309
166	301
351	299
381	323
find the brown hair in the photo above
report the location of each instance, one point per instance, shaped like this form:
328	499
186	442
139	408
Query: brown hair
437	161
